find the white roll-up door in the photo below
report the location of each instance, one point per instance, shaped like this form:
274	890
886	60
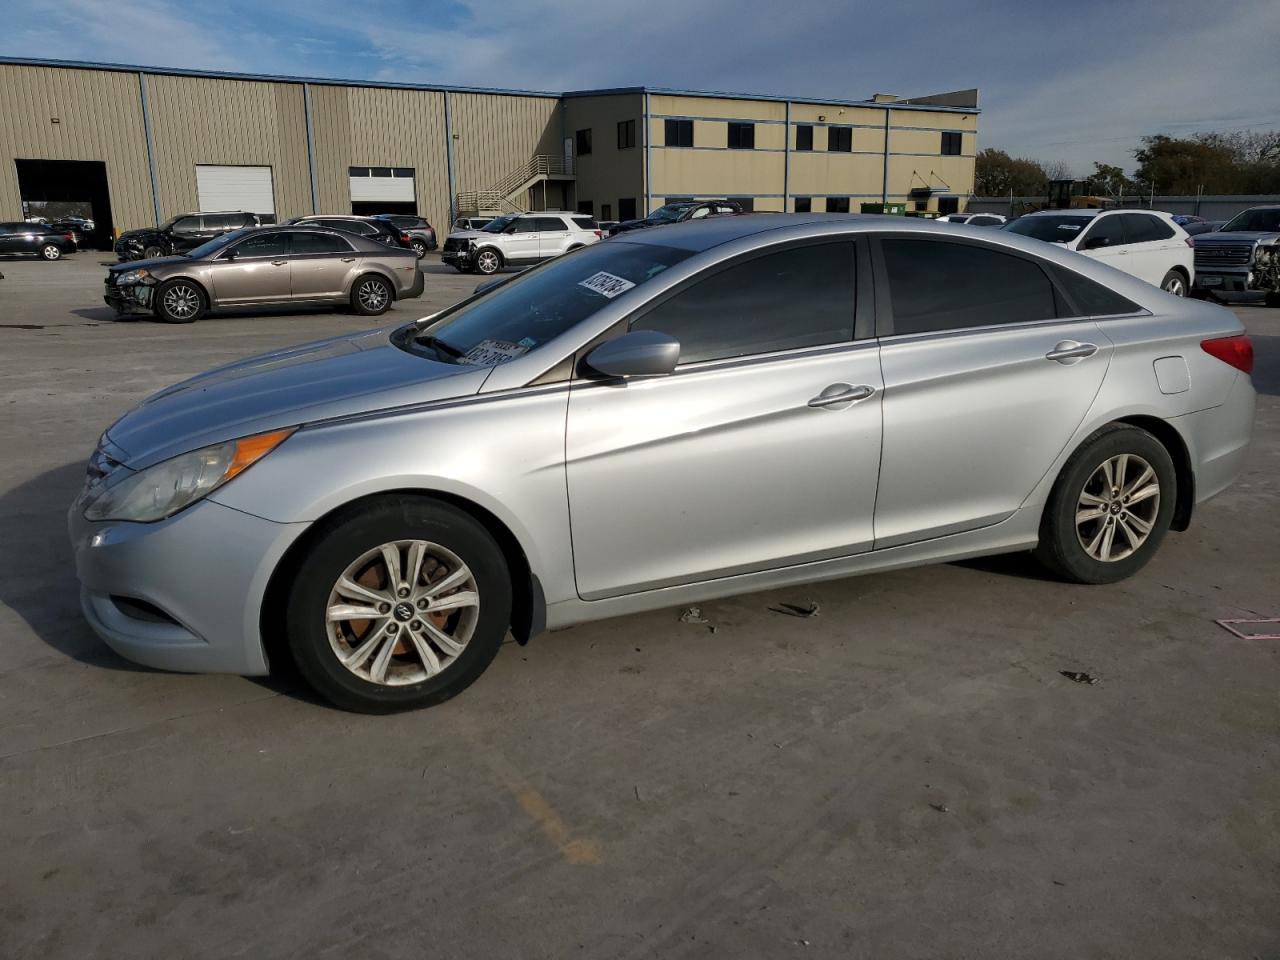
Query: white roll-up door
235	188
394	189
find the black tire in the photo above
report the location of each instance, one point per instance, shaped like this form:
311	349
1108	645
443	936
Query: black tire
488	261
1060	548
419	248
1175	282
152	252
371	295
341	542
180	301
51	251
1273	300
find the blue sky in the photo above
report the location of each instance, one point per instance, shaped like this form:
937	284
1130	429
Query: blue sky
1072	81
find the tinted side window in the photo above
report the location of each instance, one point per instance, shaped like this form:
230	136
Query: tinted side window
187	225
1093	299
1143	228
550	225
264	245
937	285
319	243
794	298
523	225
1105	232
586	223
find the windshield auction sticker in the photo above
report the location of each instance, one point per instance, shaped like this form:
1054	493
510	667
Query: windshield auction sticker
606	284
489	353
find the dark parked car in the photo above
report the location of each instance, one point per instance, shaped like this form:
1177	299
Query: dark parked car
422	235
184	232
267	266
1203	226
41	239
370	228
679	212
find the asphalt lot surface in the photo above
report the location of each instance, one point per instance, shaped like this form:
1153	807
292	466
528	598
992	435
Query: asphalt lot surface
908	774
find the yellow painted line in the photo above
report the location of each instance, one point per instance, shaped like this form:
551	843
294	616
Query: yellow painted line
575	851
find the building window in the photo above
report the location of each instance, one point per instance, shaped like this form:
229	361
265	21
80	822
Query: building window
606	211
804	137
950	143
840	139
627	208
679	133
837	204
626	134
804	204
742	136
582	142
948	205
921	205
748	204
587	206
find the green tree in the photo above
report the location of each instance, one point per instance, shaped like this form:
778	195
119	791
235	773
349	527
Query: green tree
1170	165
996	174
1109	180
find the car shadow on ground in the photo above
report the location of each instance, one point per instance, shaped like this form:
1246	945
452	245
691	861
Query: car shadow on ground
37	570
1266	364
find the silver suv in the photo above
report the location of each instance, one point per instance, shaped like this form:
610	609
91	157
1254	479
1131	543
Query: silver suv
519	238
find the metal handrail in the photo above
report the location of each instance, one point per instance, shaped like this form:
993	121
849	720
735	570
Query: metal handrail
499	195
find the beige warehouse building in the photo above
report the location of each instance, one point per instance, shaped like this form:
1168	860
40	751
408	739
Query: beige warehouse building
133	146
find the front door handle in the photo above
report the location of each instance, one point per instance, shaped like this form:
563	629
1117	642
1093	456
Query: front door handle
841	393
278	263
348	259
1069	351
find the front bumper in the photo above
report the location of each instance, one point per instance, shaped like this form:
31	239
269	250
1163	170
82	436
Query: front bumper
458	258
204	572
129	299
1228	281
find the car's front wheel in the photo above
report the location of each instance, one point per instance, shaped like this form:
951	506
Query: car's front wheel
419	249
51	251
488	262
1174	282
180	301
152	252
401	603
371	296
1110	507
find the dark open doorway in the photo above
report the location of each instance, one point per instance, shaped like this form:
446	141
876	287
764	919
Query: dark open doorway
367	208
54	189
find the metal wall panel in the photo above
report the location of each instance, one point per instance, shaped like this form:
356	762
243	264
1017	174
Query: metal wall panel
99	118
495	135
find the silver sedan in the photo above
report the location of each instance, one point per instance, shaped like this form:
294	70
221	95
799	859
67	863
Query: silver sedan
679	414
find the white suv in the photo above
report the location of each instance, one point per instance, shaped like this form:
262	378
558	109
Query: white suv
1145	243
519	238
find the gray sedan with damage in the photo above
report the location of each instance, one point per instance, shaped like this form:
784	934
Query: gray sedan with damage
679	414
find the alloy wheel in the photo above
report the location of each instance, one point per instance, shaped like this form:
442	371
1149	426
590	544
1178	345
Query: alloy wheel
487	262
419	249
1176	286
1117	508
402	612
373	295
181	301
51	252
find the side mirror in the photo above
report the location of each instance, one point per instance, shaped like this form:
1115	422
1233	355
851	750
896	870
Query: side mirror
1093	243
640	353
229	255
510	229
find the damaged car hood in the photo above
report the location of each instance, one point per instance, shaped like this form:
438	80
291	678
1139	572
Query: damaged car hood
340	376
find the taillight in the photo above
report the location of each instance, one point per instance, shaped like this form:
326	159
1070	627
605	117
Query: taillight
1236	351
1191	241
405	241
68	237
599	234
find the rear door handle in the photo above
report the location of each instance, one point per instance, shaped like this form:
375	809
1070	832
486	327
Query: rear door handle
278	263
1069	351
841	393
348	259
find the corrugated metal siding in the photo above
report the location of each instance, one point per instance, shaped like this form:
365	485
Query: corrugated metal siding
198	120
498	134
100	116
362	126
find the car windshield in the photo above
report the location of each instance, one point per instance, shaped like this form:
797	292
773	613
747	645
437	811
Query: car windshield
531	308
668	214
1055	229
216	244
499	224
1263	219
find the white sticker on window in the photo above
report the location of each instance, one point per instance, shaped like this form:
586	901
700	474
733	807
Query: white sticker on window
606	284
490	353
1068	226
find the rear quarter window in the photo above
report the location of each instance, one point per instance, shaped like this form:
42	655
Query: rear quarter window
1091	299
585	223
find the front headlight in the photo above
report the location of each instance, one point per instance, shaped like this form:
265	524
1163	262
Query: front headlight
141	275
164	489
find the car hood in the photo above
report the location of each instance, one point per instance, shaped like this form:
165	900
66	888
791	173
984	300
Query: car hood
137	232
471	234
1237	236
139	264
340	376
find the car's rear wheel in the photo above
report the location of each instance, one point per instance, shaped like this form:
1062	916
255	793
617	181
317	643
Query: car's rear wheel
152	252
402	604
180	301
51	251
419	248
371	296
1174	282
488	262
1110	507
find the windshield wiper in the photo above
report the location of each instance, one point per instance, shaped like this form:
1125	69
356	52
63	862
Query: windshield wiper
438	345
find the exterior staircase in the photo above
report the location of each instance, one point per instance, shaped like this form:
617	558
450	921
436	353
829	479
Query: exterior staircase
502	197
